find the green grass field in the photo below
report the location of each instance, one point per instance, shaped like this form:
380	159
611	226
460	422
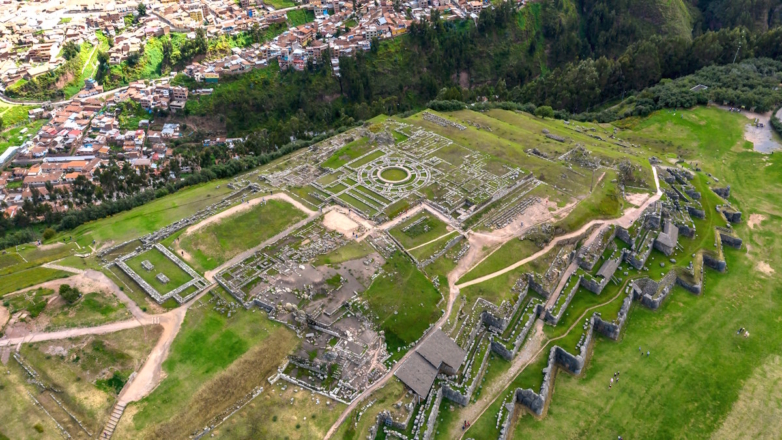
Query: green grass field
92	309
28	278
163	265
150	217
507	254
218	242
350	251
214	360
427	230
405	301
347	153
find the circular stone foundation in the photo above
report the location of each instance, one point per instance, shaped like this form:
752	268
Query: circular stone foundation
394	177
394	174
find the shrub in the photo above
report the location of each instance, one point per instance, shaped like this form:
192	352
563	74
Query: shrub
69	294
48	233
38	428
544	111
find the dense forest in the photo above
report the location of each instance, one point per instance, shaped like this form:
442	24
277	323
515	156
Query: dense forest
577	56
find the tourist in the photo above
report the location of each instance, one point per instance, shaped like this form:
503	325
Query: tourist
647	354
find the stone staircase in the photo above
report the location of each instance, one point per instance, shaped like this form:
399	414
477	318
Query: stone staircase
113	421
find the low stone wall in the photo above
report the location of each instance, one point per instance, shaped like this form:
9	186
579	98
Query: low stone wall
490	320
730	240
501	350
714	263
664	288
693	193
552	319
432	420
722	192
455	396
686	231
613	329
696	213
624	235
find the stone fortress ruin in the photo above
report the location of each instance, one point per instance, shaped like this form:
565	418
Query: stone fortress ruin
382	177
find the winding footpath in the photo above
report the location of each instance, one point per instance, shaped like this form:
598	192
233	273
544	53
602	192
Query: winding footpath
528	353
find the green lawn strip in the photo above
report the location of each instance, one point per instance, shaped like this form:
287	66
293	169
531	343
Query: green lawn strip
510	252
604	202
350	251
368	158
418	235
162	265
149	217
427	250
218	242
358	204
396	297
29	277
280	4
8	260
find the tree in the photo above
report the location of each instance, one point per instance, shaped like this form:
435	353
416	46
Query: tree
168	50
544	112
69	294
142	9
48	233
70	50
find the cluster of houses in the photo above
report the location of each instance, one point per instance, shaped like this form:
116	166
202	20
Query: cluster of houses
78	140
156	95
31	46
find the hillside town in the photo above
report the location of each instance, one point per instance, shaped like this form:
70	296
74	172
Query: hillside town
82	135
31	40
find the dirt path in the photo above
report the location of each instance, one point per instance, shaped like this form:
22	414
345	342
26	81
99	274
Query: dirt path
150	374
73	332
479	243
431	241
62	268
532	349
625	221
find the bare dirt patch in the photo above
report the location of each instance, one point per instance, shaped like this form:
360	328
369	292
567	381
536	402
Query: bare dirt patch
764	268
755	220
4	316
337	221
47	247
637	199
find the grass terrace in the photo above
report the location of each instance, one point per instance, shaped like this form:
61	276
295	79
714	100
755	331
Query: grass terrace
420	229
404	300
212	245
162	265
